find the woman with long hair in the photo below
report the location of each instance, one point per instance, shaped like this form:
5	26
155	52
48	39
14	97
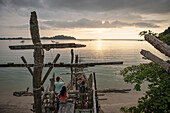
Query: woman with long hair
63	95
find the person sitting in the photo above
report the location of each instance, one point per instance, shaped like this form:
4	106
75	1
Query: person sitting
63	95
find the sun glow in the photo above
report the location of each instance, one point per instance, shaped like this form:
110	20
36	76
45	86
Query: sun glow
99	45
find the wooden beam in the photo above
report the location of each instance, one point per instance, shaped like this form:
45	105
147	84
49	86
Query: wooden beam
64	65
156	60
49	70
105	90
38	61
25	62
159	45
47	46
111	90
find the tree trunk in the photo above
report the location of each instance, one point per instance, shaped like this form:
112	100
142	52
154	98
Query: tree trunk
156	60
159	45
38	62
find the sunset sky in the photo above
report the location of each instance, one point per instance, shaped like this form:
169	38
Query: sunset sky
85	19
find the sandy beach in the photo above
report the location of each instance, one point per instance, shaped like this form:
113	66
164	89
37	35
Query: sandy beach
12	104
117	100
113	103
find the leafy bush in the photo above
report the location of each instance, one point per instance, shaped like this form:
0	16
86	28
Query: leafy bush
157	97
165	38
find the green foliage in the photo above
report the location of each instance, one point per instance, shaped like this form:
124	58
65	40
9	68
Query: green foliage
157	98
142	33
165	38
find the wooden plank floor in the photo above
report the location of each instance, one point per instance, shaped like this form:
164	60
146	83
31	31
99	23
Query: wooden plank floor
67	108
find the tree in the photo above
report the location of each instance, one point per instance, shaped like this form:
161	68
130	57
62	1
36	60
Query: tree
157	97
165	38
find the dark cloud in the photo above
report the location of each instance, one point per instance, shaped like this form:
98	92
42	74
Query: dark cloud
1	2
86	23
23	3
144	6
145	25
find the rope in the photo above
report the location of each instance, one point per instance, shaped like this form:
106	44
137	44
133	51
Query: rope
37	89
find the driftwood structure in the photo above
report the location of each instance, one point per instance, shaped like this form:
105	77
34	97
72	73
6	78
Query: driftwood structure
162	47
46	102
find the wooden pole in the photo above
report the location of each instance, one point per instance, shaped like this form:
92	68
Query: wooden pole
94	95
38	62
25	62
76	62
95	86
72	59
159	45
72	56
76	59
49	70
156	60
52	88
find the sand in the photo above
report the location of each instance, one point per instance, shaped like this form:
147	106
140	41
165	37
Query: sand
113	103
12	104
117	100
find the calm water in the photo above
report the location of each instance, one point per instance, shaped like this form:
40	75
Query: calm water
12	79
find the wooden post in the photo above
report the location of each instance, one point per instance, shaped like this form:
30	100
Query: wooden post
52	88
76	61
94	95
90	97
25	62
49	70
38	62
72	59
95	86
72	56
156	60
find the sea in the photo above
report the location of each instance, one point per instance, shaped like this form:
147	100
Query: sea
107	76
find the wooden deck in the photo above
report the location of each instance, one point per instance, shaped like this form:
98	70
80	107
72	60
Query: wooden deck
68	107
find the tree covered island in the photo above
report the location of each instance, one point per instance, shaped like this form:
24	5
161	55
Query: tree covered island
57	37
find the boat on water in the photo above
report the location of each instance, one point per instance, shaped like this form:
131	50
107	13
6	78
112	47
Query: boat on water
22	41
52	41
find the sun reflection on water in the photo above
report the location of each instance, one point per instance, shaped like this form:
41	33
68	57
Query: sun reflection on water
99	45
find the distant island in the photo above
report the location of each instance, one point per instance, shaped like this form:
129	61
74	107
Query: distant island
58	37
